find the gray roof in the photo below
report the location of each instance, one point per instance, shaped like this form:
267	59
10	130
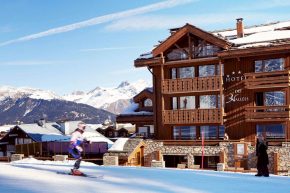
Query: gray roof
49	132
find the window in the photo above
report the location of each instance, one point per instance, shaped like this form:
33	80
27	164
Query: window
174	103
221	132
209	101
148	103
272	131
207	70
178	54
184	132
186	72
185	102
210	70
269	65
205	50
276	98
210	132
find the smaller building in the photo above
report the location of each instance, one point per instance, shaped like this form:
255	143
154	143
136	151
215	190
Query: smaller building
126	151
47	139
140	113
28	133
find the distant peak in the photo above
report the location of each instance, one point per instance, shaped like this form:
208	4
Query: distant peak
95	90
123	84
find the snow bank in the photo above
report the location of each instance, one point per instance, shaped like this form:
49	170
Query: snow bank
119	144
41	177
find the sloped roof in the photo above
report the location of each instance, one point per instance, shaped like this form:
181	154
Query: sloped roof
146	93
264	35
258	35
188	28
49	132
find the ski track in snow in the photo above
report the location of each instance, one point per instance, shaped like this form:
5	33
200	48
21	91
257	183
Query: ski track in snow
34	176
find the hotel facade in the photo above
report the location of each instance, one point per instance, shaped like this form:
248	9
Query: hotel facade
225	87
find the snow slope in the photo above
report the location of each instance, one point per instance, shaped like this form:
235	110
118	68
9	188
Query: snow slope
32	176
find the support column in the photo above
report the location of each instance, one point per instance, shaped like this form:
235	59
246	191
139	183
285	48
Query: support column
221	91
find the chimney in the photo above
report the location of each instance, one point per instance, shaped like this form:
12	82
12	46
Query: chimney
240	28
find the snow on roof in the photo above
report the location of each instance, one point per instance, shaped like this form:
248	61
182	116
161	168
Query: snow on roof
96	137
254	29
263	37
5	128
119	144
131	110
49	132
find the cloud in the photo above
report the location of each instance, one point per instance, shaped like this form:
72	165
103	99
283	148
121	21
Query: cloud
32	62
109	48
156	22
101	19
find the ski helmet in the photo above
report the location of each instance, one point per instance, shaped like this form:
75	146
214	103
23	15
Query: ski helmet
82	126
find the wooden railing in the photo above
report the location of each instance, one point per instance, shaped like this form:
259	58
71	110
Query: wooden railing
277	79
194	116
201	84
267	113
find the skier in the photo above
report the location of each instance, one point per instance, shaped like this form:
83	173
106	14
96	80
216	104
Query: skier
75	148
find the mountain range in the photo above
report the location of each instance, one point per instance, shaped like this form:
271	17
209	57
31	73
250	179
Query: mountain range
30	104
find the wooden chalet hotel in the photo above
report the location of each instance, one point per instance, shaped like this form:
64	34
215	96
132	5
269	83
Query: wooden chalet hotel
232	81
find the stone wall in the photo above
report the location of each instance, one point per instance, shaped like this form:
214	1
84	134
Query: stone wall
152	148
110	160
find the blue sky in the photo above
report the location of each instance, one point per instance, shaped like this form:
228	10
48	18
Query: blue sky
44	45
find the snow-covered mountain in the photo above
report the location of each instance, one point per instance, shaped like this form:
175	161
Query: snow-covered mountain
111	99
27	104
21	92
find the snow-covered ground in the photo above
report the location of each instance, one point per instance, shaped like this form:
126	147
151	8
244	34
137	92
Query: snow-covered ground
33	176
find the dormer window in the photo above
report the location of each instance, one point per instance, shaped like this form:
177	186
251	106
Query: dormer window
148	103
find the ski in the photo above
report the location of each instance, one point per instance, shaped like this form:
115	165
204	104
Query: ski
82	175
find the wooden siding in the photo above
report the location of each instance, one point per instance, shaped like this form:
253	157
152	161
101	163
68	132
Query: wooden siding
186	85
279	79
194	116
267	113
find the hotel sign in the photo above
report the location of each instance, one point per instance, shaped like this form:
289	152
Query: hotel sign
236	95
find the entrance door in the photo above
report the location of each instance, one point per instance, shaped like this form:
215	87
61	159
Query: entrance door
171	161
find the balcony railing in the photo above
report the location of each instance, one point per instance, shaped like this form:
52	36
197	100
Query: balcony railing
278	79
201	84
194	116
267	113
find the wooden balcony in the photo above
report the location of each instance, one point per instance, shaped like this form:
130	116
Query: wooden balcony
278	79
194	116
267	113
201	84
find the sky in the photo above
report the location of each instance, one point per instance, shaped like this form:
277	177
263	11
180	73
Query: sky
69	45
